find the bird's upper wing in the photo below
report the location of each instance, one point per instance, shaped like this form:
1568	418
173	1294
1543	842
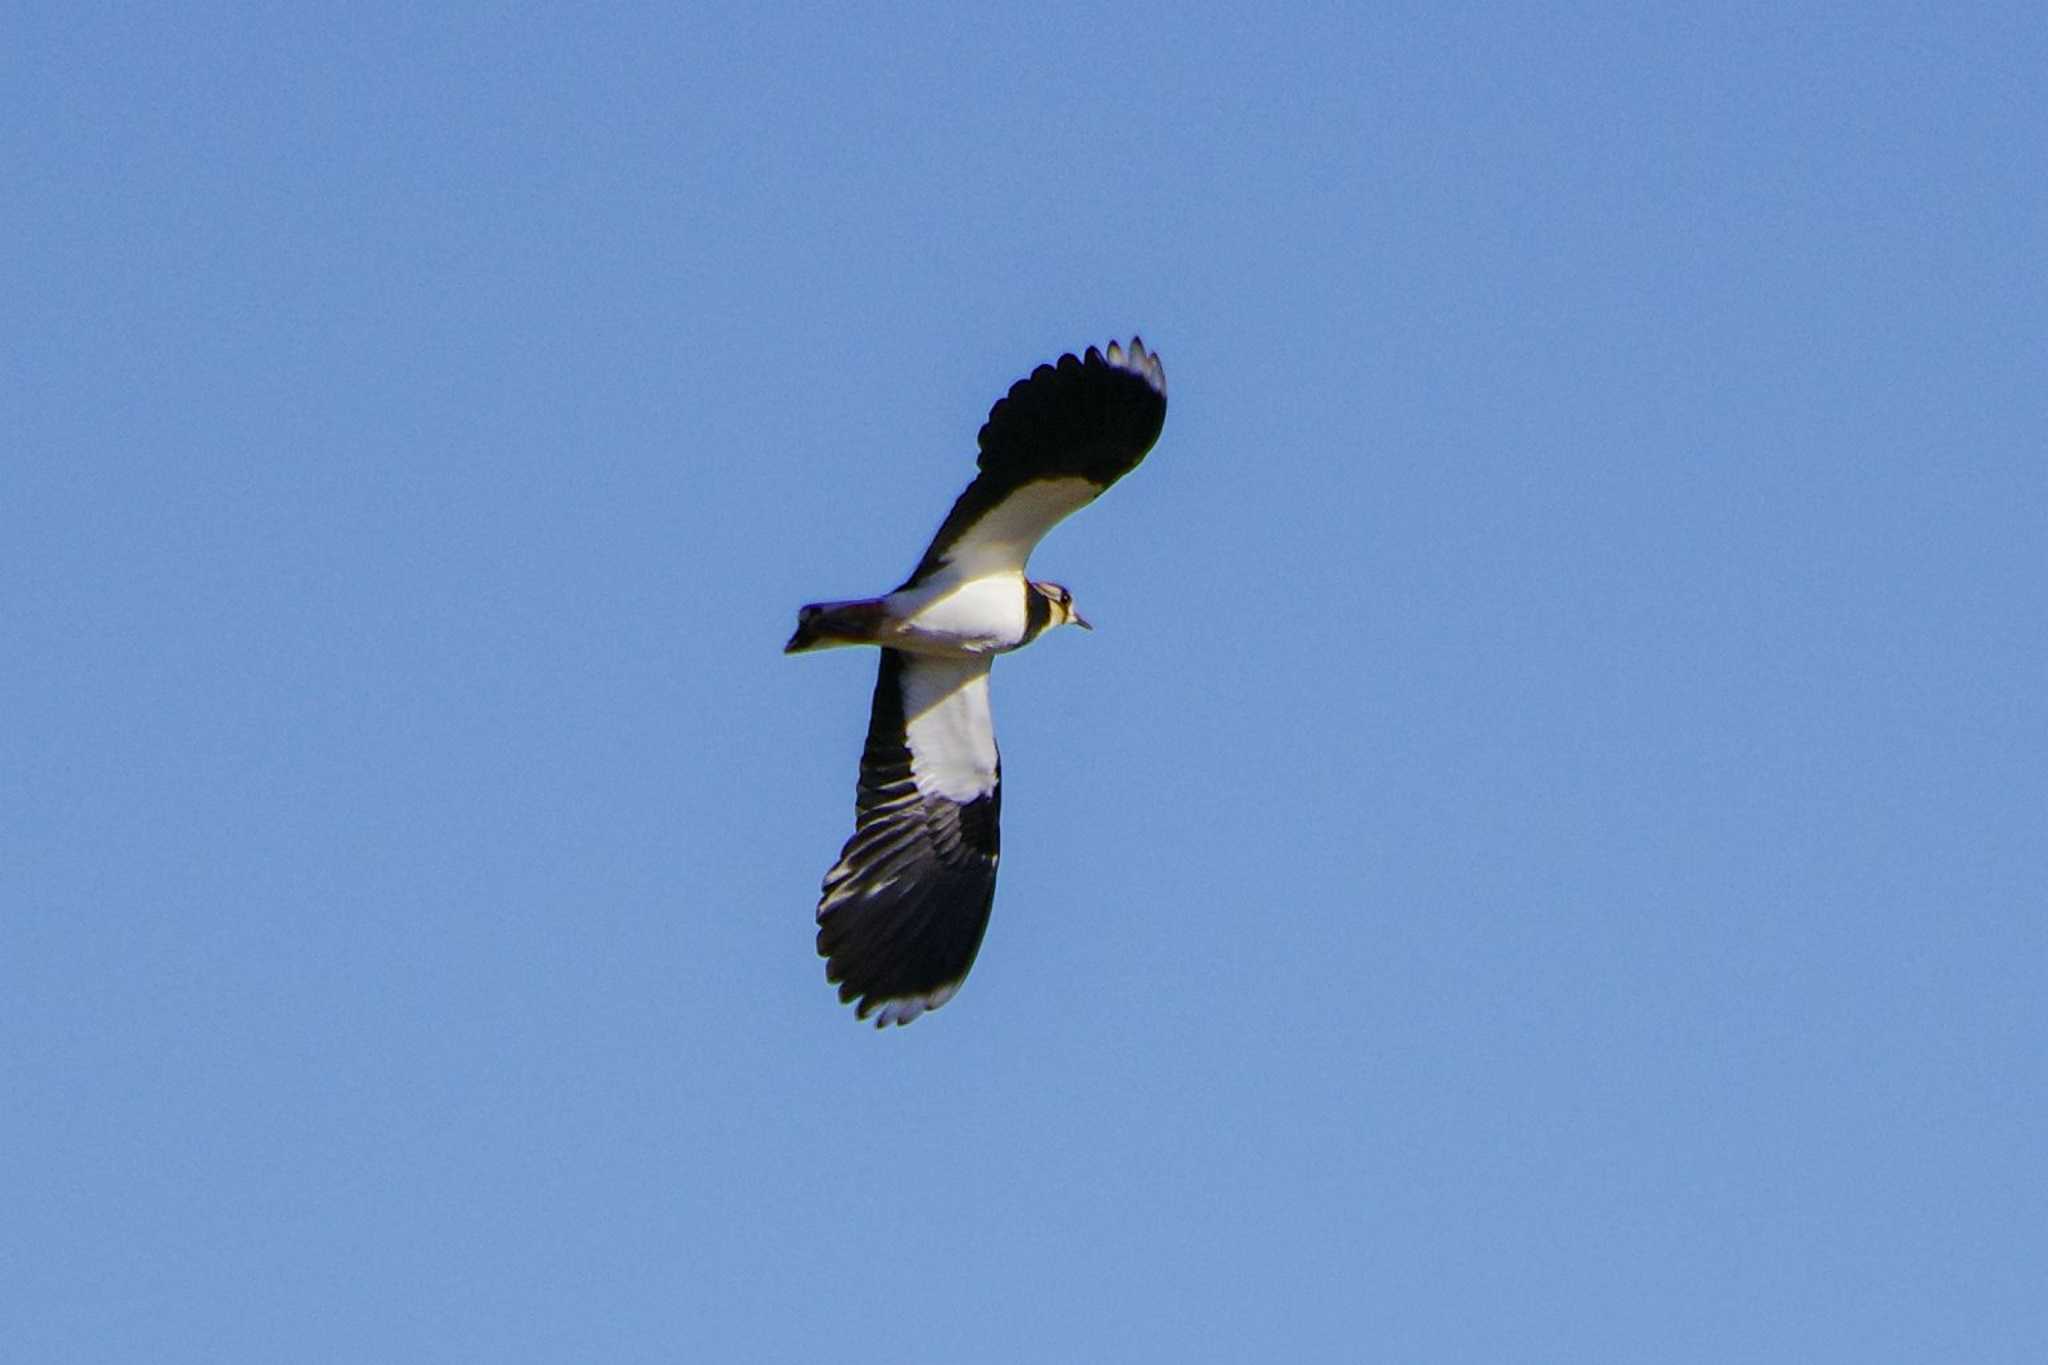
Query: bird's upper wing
903	911
1049	448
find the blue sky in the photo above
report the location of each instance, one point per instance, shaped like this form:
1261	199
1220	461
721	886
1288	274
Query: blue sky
1542	858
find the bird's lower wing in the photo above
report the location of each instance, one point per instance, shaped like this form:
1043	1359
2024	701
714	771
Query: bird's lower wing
903	911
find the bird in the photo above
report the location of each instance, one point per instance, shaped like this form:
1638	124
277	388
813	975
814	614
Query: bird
902	913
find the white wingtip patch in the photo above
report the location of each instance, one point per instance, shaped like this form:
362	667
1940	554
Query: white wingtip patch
1138	361
904	1010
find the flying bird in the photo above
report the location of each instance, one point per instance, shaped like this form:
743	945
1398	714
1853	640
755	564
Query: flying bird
903	911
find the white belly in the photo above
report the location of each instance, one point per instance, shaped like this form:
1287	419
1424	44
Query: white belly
979	616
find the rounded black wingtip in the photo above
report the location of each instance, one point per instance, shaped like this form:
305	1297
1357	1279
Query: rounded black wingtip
1094	418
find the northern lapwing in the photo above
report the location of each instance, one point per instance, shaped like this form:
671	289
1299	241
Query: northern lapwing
902	912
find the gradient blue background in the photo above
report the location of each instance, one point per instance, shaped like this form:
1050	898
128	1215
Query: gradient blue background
1543	858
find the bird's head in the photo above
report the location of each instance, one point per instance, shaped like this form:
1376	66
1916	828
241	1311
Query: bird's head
1062	602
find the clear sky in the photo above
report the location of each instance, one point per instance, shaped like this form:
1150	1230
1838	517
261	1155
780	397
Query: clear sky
1543	858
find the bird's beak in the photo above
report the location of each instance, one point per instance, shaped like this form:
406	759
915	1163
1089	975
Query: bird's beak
1078	619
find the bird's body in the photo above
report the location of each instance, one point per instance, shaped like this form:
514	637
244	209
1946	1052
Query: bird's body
903	911
949	618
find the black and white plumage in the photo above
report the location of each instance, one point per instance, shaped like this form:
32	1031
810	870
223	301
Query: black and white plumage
903	911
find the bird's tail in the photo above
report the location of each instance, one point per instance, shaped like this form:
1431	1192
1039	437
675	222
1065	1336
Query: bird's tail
824	624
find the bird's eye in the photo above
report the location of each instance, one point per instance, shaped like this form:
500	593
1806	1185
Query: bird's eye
1066	598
